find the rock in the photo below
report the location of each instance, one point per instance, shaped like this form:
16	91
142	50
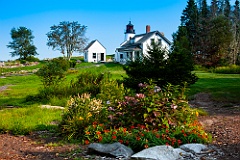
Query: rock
162	152
116	149
52	107
194	147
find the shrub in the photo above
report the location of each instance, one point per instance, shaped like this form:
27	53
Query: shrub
32	59
233	69
81	111
160	66
87	82
51	74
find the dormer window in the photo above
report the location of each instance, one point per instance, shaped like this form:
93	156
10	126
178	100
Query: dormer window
132	40
152	41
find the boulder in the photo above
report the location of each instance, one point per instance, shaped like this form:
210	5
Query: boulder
115	149
162	152
194	147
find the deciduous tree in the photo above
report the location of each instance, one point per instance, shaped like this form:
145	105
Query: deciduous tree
22	43
67	37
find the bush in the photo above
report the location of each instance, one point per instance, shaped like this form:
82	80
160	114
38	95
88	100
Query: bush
160	66
51	74
32	59
233	69
81	111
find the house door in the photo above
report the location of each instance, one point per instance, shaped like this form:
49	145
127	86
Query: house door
102	56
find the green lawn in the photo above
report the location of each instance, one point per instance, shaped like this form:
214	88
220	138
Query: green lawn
223	87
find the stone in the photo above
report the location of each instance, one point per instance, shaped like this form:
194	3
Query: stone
194	147
115	149
162	152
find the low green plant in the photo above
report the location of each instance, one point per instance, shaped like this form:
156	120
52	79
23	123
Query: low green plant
22	121
233	69
81	111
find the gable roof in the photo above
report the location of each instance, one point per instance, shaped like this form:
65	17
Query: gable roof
146	36
91	43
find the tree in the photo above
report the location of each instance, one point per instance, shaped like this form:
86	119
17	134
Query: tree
214	8
67	37
161	69
220	39
22	43
190	19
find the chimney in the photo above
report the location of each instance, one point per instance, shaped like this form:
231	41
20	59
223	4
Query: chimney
147	28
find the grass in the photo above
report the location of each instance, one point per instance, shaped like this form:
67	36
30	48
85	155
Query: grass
223	87
22	121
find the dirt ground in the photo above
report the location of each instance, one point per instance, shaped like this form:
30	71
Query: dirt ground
223	122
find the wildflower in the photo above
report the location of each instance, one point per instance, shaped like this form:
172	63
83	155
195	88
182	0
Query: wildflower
146	146
120	141
98	132
127	142
100	139
87	133
86	142
158	136
157	89
110	109
81	118
197	113
138	138
140	95
108	102
111	117
173	106
114	132
114	137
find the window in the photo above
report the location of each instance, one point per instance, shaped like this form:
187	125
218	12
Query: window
94	55
152	41
121	56
159	41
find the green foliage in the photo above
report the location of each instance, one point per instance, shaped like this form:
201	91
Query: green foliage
81	111
32	59
139	137
158	67
67	37
232	69
22	43
22	121
51	74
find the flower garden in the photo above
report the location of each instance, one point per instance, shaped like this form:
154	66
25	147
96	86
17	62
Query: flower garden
154	116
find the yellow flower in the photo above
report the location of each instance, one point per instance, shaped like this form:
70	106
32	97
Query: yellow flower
81	118
197	113
89	115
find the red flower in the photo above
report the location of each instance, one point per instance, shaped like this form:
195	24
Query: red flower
167	144
120	141
185	135
98	133
86	142
167	131
114	137
114	132
127	142
132	127
138	138
158	136
99	139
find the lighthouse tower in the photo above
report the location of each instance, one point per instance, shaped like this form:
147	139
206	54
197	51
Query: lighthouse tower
130	32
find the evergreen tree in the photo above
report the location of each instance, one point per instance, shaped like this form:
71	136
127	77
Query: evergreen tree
214	8
227	9
189	19
220	39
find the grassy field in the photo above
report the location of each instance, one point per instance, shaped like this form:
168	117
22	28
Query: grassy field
222	87
27	117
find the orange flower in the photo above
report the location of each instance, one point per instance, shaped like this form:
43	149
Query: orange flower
86	142
146	146
98	132
158	136
100	139
87	133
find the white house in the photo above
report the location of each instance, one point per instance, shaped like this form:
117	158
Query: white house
137	45
95	52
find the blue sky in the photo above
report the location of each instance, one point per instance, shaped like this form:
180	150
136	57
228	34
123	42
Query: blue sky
106	20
